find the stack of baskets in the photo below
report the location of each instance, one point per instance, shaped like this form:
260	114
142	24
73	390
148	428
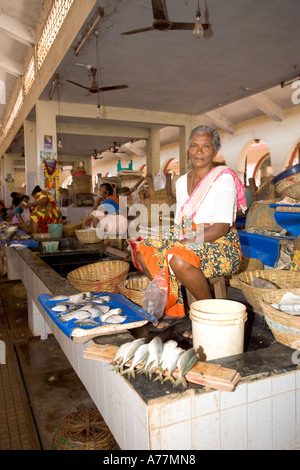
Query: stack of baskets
134	288
282	279
104	276
287	183
261	216
285	327
84	430
247	264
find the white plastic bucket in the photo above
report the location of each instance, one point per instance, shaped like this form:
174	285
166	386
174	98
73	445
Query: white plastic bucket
218	327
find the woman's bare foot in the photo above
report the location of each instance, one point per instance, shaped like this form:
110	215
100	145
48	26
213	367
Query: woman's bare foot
188	334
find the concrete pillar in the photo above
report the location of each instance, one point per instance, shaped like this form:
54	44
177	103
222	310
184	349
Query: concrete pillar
184	134
31	161
153	153
7	168
46	139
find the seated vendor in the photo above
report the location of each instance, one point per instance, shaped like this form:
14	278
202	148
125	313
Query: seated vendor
21	214
44	211
203	242
106	197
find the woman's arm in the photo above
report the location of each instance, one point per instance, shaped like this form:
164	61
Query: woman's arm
208	233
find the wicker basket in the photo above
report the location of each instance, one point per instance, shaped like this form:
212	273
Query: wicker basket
134	288
280	278
285	327
85	430
261	216
104	276
87	236
69	229
247	264
289	187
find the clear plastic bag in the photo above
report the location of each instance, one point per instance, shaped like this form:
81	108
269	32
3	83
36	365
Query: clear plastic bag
155	298
262	283
159	181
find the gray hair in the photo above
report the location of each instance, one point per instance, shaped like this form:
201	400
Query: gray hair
216	141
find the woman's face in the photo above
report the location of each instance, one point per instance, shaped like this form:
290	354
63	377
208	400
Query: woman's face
201	150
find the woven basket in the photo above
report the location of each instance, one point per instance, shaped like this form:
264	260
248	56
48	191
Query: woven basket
87	236
247	264
85	430
261	216
134	289
285	327
280	278
289	187
104	276
69	229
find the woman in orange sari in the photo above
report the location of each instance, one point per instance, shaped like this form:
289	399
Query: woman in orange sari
203	242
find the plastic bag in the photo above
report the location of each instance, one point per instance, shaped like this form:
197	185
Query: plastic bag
155	298
159	181
262	283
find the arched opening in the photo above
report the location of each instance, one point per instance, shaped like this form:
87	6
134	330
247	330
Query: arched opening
258	163
171	166
295	157
143	169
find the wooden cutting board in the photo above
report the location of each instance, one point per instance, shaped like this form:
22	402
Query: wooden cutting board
202	373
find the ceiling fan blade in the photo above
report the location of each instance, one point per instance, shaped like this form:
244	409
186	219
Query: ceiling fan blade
142	30
115	87
159	9
78	84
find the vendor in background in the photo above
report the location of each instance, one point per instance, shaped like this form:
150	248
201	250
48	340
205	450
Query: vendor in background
106	196
18	218
44	211
16	198
203	242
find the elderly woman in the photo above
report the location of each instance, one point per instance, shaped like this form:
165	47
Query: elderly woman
44	211
203	242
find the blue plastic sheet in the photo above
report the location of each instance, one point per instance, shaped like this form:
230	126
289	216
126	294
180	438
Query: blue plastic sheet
265	248
132	312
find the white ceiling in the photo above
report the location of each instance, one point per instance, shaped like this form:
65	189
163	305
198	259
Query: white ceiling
249	49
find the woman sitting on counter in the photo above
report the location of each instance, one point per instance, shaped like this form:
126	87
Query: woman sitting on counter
203	242
44	211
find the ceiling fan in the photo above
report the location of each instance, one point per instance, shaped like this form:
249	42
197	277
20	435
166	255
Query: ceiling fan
116	148
94	88
162	22
94	71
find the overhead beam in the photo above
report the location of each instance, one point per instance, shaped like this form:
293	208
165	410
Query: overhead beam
268	106
221	121
11	66
149	117
105	131
17	30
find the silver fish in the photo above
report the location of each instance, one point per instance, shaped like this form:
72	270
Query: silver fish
86	322
116	311
102	299
185	362
115	319
103	308
130	351
155	351
76	298
140	355
120	352
168	346
59	308
169	351
78	315
170	363
60	297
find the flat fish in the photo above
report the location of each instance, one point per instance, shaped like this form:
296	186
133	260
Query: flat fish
59	308
86	322
78	315
60	297
114	319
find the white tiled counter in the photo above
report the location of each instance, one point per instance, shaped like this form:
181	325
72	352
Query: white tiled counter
262	413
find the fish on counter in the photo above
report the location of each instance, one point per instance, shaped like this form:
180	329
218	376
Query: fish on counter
155	356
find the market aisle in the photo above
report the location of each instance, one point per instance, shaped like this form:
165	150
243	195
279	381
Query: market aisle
38	386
